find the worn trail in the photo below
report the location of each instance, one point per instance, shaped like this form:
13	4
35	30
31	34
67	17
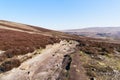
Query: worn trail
44	66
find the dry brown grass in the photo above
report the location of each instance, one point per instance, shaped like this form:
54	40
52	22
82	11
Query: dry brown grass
13	39
20	43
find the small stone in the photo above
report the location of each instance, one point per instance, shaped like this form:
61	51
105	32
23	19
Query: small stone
92	78
74	65
77	70
24	67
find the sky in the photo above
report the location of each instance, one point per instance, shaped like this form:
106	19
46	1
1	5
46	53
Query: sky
62	14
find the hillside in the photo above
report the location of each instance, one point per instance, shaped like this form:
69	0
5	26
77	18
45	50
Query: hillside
34	53
98	32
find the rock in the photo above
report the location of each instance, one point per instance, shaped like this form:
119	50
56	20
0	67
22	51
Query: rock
92	78
24	67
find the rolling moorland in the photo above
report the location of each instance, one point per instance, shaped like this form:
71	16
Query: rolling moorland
34	53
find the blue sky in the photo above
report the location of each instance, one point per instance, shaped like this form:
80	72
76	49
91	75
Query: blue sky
62	14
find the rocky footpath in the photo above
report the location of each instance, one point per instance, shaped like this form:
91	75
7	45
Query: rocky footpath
48	65
67	60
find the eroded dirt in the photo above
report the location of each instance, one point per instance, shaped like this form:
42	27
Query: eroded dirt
45	66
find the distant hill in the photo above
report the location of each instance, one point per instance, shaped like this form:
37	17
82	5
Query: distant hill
97	32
